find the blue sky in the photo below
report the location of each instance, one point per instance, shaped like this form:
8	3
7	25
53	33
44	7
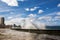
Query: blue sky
42	11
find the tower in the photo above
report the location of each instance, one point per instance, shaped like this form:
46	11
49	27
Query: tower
1	20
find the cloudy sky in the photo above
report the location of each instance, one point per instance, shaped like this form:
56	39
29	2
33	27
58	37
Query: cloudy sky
42	11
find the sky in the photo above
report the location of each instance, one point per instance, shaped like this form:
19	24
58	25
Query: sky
37	11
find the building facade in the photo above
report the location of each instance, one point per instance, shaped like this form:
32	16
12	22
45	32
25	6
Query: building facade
2	22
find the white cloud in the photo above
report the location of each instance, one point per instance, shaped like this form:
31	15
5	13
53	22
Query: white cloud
10	17
12	13
40	11
51	19
31	9
57	17
5	10
58	13
11	2
27	9
14	21
47	18
21	0
32	15
58	5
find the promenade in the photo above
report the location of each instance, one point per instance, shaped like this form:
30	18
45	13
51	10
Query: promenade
8	34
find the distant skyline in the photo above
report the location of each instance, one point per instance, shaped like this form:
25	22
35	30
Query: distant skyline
39	11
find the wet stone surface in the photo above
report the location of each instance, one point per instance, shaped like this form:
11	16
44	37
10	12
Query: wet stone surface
8	34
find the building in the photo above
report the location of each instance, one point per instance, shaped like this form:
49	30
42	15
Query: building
2	22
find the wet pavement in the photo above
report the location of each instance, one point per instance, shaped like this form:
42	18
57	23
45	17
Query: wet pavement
8	34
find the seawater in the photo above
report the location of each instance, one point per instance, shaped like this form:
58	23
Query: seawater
53	27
